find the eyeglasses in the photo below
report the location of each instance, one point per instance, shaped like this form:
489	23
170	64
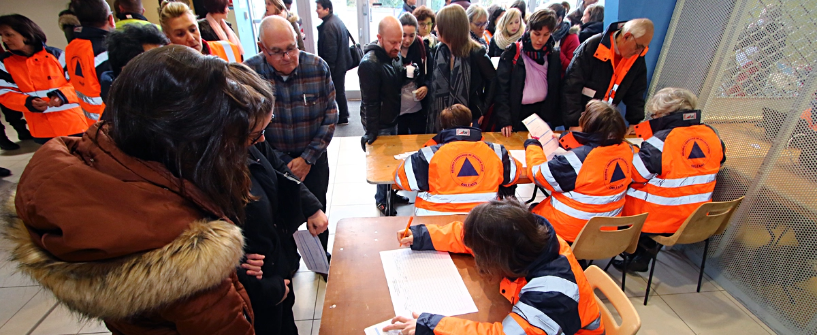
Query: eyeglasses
255	140
481	24
292	51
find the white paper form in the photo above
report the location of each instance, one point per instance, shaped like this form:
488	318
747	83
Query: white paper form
311	251
378	329
403	156
425	282
538	128
519	155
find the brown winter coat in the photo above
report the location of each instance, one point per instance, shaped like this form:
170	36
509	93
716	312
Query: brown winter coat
115	239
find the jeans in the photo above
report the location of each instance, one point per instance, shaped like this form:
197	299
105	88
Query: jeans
383	190
339	79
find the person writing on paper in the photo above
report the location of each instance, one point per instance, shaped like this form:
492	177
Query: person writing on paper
458	173
529	77
280	205
674	172
609	67
542	278
591	178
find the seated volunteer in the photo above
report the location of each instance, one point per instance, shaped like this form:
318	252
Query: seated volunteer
529	77
591	178
180	26
157	200
459	170
541	276
674	172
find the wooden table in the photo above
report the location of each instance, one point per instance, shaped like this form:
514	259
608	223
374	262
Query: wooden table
380	162
357	295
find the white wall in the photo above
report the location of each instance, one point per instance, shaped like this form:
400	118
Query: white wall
44	12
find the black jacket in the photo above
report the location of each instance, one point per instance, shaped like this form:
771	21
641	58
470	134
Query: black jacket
333	44
493	49
282	206
207	32
588	71
510	81
589	29
381	79
420	55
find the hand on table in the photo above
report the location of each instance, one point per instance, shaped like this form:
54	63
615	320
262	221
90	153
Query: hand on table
507	131
631	130
405	240
253	265
317	223
299	167
367	139
405	325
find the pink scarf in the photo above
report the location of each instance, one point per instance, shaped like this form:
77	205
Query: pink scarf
224	32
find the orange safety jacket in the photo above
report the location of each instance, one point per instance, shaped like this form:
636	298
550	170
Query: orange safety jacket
458	174
675	170
589	180
553	299
607	52
224	50
24	78
86	58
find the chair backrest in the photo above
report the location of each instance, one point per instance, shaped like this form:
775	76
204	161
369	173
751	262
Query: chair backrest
709	219
630	321
605	237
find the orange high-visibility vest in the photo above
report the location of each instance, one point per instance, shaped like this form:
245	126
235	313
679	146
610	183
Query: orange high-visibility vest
569	306
460	173
620	69
40	76
224	50
675	170
82	65
589	180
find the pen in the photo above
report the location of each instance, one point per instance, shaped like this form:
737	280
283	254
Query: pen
405	233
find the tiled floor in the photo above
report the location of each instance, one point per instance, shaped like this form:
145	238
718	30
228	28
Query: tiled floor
674	307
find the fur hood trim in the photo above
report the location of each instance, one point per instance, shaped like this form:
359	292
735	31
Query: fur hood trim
574	30
200	258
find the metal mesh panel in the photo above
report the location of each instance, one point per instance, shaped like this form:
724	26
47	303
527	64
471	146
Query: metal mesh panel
751	62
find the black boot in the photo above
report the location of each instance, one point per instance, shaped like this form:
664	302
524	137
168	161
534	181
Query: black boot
638	263
398	199
7	144
23	133
4	172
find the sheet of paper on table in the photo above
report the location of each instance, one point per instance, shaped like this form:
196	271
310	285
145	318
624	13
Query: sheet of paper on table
538	128
403	156
378	329
311	251
519	155
636	141
425	282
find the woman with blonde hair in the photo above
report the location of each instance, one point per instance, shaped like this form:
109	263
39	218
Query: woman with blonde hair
462	72
509	29
181	28
478	19
277	7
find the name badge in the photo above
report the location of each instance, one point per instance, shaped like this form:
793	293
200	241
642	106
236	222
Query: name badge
463	132
689	116
589	92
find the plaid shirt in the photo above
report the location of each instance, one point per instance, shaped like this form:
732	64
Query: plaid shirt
305	109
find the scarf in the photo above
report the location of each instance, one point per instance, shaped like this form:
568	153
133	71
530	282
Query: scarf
479	39
224	32
503	41
449	86
537	56
561	31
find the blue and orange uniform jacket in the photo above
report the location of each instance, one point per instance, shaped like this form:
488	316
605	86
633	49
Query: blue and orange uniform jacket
458	173
222	49
675	170
85	59
589	180
553	299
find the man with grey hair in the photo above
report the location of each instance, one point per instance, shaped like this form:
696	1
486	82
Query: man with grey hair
609	67
305	109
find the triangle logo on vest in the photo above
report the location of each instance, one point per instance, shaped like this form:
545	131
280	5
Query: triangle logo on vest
696	152
618	174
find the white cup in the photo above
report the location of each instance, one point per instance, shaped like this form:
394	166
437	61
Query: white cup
410	71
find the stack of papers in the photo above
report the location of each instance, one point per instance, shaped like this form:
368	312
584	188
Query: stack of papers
403	156
538	128
311	251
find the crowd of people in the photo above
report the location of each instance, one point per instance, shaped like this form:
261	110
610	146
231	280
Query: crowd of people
190	164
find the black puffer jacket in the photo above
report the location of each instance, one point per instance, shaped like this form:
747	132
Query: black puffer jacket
589	29
282	206
381	78
510	81
333	44
588	71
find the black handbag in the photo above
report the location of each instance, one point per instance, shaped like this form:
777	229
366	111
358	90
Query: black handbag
356	51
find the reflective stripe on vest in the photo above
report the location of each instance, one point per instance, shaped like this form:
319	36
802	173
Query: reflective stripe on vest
579	214
641	167
594	199
6	91
227	49
90	100
464	198
595	324
545	171
552	284
412	180
670	201
686	181
511	327
60	108
62	63
537	319
4	83
498	151
101	58
428	212
656	142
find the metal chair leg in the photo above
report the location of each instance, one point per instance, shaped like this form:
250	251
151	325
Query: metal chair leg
533	197
652	268
609	263
624	273
703	263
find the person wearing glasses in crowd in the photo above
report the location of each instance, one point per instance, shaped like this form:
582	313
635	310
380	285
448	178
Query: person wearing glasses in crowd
181	28
305	107
278	7
478	19
425	25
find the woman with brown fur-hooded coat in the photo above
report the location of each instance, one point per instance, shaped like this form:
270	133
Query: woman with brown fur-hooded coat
135	223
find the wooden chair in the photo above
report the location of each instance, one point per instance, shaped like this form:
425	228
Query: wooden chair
595	243
709	219
630	321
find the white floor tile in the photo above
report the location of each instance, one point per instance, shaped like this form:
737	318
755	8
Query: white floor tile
316	326
748	312
675	274
94	327
305	285
345	174
60	321
712	313
11	277
16	168
319	302
634	286
353	194
656	318
304	327
14	298
350	152
27	317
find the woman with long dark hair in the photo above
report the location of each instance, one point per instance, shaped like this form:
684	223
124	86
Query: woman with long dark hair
32	81
214	25
137	222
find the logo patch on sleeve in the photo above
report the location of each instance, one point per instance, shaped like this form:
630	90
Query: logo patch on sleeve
689	116
463	132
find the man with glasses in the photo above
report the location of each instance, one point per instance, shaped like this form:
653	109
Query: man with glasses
305	109
609	67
